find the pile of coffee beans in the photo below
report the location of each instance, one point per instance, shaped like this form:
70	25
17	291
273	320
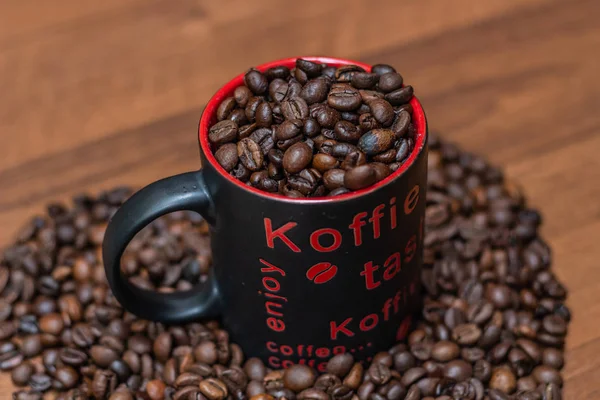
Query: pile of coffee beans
315	130
493	324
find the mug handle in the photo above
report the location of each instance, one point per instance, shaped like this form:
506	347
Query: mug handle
186	191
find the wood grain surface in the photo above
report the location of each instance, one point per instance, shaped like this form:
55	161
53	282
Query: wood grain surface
94	94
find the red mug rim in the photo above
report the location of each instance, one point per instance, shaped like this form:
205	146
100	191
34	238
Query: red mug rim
209	117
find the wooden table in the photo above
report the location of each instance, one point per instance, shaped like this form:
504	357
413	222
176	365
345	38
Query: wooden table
98	93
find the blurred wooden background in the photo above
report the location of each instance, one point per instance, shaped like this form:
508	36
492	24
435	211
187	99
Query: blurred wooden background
97	93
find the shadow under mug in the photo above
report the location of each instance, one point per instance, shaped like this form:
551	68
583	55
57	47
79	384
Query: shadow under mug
293	280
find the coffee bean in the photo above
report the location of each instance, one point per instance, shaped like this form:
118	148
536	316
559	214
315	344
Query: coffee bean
213	389
343	97
278	72
458	370
326	116
390	81
376	141
295	108
288	129
223	132
67	376
312	394
354	376
381	69
250	154
225	108
553	358
311	69
72	356
382	171
51	323
546	374
299	377
379	373
400	96
346	132
227	156
503	380
297	157
346	72
239	117
242	94
445	351
256	82
364	80
278	89
264	138
264	115
21	374
466	334
555	325
382	111
104	382
315	91
103	356
401	124
360	177
324	162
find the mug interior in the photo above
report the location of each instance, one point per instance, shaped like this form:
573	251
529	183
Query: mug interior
209	118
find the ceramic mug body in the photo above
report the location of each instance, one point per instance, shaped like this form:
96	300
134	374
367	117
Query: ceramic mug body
294	280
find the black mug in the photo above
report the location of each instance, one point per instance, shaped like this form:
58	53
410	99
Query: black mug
293	280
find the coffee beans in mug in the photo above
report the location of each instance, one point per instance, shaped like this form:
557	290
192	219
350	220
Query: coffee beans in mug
296	110
493	323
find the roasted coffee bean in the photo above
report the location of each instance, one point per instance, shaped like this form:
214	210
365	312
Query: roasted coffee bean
364	80
278	72
400	96
334	178
360	177
239	117
345	131
278	89
311	69
264	138
324	162
382	111
346	72
242	94
326	116
213	389
256	82
340	364
458	370
390	81
401	124
299	377
503	380
72	356
381	69
263	115
22	373
225	108
67	376
343	97
227	156
445	351
315	91
376	141
379	373
295	108
297	157
382	171
223	132
354	376
250	154
40	382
